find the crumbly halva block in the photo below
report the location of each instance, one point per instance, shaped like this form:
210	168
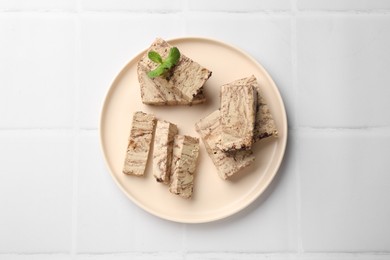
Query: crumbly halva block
155	92
185	155
162	152
264	124
183	86
140	139
227	164
238	113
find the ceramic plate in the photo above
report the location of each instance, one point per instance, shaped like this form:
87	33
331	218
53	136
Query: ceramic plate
213	198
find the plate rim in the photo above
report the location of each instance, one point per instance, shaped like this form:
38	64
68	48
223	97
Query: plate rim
257	193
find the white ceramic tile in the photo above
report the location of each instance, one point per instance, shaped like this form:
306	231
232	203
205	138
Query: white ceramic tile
132	256
35	192
239	6
107	220
343	4
342	71
345	190
201	256
239	256
27	5
344	256
108	43
36	257
266	39
37	54
123	5
269	224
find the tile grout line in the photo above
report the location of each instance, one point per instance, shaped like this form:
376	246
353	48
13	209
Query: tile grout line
76	129
90	11
204	254
344	12
361	129
283	253
294	59
257	12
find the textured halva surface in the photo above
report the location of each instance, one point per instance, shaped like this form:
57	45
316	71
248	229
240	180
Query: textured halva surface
162	152
264	123
238	113
227	164
140	138
185	155
155	92
183	86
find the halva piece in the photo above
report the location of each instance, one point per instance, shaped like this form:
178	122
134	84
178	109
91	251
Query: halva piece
162	150
264	124
140	139
185	155
227	164
238	112
182	86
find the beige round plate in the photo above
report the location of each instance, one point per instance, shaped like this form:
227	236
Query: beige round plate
213	198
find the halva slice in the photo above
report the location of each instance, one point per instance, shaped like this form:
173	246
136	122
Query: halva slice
264	125
162	152
155	92
238	112
182	86
140	139
227	164
185	155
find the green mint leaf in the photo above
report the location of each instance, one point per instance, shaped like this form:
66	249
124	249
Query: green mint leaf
173	56
166	65
154	56
160	70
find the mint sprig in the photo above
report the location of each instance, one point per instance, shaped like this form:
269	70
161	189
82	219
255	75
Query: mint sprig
154	56
165	65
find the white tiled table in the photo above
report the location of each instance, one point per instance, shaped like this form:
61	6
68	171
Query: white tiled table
331	62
